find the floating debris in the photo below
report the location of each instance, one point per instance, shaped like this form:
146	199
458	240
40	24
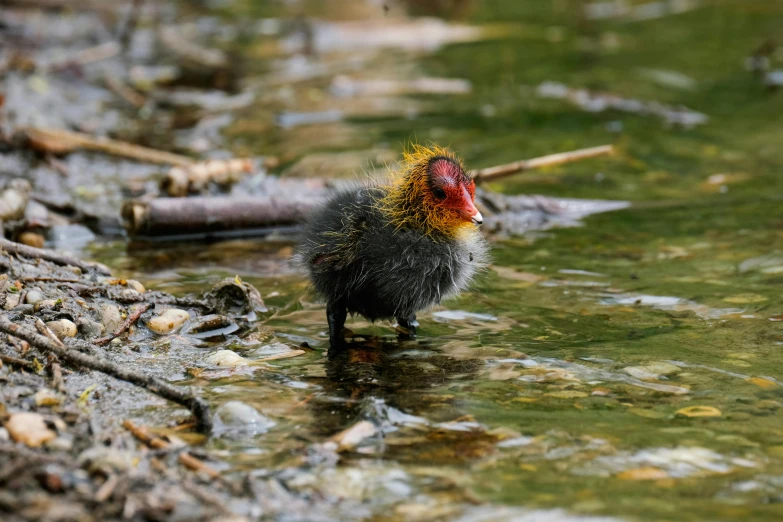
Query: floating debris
636	12
600	102
461	315
346	87
680	462
677	304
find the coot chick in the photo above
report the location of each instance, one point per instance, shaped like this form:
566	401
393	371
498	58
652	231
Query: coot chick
389	251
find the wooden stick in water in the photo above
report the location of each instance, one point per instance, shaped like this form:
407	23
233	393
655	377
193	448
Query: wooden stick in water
502	171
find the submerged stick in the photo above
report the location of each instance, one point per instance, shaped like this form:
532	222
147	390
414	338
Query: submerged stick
51	255
185	397
59	141
501	171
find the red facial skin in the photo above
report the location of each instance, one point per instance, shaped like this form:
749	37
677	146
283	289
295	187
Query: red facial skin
451	188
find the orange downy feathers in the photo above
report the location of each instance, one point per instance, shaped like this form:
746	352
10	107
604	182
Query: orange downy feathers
409	202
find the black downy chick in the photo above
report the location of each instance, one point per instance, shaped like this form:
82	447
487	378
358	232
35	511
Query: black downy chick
387	252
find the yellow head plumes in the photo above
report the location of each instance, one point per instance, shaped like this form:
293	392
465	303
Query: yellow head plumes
410	202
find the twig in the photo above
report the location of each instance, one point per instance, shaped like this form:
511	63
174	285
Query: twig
21	363
283	355
57	165
501	171
108	487
57	374
197	406
94	54
47	332
173	39
123	91
59	141
187	460
129	27
132	318
51	255
49	280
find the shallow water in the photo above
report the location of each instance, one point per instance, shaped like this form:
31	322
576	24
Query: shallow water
628	368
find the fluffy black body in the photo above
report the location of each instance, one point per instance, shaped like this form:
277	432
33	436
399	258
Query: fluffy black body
361	263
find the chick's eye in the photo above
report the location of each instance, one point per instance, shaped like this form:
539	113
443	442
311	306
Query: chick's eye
439	193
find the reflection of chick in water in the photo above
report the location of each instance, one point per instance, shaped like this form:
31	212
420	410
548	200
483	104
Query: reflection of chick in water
381	369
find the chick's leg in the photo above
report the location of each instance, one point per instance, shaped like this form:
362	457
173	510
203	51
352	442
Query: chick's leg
406	326
335	316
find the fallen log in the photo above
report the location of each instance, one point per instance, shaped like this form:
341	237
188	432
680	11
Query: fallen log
205	216
289	203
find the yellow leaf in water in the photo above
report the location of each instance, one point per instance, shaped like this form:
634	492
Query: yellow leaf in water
643	473
699	411
745	298
525	399
527	467
761	382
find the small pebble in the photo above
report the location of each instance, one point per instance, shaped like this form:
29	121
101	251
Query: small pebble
33	296
62	328
29	429
129	293
90	328
11	300
31	239
111	318
168	321
45	304
239	418
46	397
226	358
135	285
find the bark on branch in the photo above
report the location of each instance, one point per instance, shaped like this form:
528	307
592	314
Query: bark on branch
206	215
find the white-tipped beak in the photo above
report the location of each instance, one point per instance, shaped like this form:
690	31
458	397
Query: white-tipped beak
478	219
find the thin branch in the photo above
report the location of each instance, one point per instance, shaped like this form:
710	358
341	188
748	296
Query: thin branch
501	171
187	460
21	363
59	141
51	255
47	332
185	397
132	318
57	374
